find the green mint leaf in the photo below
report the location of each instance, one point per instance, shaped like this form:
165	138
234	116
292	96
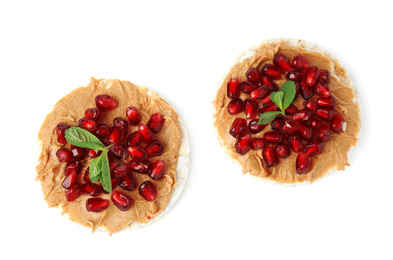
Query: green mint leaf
105	173
82	138
95	168
289	90
267	117
277	98
95	178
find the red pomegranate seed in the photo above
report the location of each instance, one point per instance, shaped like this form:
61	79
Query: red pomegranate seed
156	122
140	167
239	127
324	75
120	123
270	84
235	106
114	181
105	102
311	75
157	170
93	113
337	123
121	171
233	88
271	71
323	132
310	105
306	132
269	156
137	153
148	191
291	110
303	115
266	100
277	123
289	126
328	103
78	153
295	75
60	131
122	201
257	144
119	151
103	131
322	90
243	144
154	148
93	153
314	123
133	116
295	143
268	108
96	204
306	91
302	163
254	128
128	182
273	137
146	134
250	108
312	148
88	124
134	139
71	166
300	63
282	150
91	189
325	114
281	61
113	165
253	75
69	180
64	155
116	136
247	87
86	177
73	192
259	93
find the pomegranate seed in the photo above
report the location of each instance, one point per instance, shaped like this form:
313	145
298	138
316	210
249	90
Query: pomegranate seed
259	93
300	63
273	137
322	90
86	177
233	88
311	75
140	167
122	201
93	113
91	189
78	153
114	182
266	100
93	153
306	132
295	143
60	130
88	124
69	180
268	108
282	150
323	132
312	148
250	108
235	106
116	136
271	85
291	110
137	153
302	163
64	155
133	116
281	61
314	123
105	102
120	123
239	127
73	192
243	144
103	131
272	72
277	123
328	103
303	115
269	156
310	105
337	123
289	126
247	87
146	134
306	91
154	148
157	170
134	139
325	114
119	152
71	166
253	75
148	191
113	165
156	122
128	182
121	171
96	204
254	128
257	144
295	75
324	75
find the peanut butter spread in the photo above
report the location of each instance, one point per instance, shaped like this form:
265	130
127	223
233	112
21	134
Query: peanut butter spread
335	150
69	110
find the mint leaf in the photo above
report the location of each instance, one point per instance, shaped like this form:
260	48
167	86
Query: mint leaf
267	117
289	90
95	168
82	138
277	98
105	174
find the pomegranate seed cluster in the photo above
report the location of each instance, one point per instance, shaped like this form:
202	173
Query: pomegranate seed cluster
303	130
140	146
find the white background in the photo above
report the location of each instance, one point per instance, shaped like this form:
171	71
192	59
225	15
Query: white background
181	50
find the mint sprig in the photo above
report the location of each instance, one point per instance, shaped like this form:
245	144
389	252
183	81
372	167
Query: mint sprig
283	99
99	167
